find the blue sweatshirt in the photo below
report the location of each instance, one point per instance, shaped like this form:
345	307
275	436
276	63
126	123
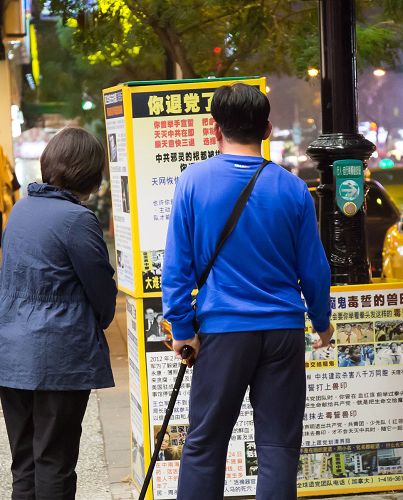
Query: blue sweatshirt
272	256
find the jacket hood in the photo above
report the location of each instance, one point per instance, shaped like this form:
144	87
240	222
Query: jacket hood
48	191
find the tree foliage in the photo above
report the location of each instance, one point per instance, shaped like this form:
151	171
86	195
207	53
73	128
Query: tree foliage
99	43
67	79
250	36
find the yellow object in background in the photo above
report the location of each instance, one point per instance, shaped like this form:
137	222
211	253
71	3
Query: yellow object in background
8	194
392	255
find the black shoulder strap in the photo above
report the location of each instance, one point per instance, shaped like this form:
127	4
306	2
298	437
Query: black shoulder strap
231	222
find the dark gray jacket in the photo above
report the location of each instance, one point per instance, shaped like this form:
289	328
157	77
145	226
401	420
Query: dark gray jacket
57	294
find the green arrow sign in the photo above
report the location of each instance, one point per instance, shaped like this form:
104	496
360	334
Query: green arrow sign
349	177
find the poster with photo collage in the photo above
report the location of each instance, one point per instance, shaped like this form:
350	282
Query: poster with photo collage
353	423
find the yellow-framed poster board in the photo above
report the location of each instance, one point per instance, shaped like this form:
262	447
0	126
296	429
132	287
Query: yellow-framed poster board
353	424
154	131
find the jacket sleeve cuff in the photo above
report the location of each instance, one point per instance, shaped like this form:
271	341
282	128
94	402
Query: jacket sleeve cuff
183	330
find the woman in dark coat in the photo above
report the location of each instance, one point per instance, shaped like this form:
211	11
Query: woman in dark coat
57	295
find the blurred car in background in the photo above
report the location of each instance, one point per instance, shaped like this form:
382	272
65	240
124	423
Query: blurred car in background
392	180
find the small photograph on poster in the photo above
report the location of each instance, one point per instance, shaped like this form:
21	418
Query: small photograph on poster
390	461
317	354
131	308
337	465
356	355
157	330
120	258
387	331
123	260
360	463
113	148
124	181
315	466
152	263
251	458
172	443
389	353
353	333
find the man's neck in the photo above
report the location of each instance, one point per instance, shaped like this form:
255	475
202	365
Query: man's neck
233	148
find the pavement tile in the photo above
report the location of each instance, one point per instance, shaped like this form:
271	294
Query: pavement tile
118	458
110	435
119	475
121	493
115	400
119	414
121	443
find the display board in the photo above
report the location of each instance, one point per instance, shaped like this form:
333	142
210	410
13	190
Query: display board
353	429
353	424
154	132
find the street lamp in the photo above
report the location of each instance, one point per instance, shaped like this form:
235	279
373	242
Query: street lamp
379	72
313	72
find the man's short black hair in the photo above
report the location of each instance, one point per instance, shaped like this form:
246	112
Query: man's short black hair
242	112
74	160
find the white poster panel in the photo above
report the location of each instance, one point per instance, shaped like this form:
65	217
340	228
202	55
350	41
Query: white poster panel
118	167
136	409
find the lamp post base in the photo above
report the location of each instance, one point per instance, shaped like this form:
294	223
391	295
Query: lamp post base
344	237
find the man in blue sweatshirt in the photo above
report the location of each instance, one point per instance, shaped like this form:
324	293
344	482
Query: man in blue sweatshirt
250	310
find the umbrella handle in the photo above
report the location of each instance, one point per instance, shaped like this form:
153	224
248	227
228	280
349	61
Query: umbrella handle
188	355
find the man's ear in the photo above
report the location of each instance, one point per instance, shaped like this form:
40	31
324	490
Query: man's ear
268	130
217	132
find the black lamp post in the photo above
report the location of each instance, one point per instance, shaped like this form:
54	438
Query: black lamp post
344	237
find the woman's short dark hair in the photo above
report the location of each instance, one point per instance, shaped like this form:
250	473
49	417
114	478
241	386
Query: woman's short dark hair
242	112
74	160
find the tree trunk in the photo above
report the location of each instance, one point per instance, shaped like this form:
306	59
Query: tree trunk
174	47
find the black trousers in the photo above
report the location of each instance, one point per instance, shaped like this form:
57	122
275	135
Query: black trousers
272	364
44	430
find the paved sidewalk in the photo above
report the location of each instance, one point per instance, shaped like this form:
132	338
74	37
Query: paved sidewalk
114	410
